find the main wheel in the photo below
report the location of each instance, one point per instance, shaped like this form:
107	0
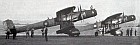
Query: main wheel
74	35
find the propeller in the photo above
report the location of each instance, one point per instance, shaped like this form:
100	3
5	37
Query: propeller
81	14
78	8
123	17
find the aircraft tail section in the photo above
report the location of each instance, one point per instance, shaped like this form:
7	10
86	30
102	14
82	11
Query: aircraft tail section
8	24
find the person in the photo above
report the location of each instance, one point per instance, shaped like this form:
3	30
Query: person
127	32
103	32
121	33
14	32
135	33
131	32
32	33
27	33
42	32
96	33
7	34
46	31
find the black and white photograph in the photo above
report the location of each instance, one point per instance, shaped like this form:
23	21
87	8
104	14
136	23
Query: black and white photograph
69	22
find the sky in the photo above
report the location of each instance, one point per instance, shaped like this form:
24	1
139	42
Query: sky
42	9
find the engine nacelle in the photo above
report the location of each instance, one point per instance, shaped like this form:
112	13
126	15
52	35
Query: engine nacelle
130	18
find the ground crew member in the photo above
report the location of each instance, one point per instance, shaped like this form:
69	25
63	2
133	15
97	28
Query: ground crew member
135	33
121	33
7	34
46	31
96	33
131	32
103	32
14	32
27	33
42	32
127	32
32	32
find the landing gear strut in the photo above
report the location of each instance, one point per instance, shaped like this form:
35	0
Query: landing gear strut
74	35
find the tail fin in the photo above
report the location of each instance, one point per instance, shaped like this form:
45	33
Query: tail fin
8	24
80	9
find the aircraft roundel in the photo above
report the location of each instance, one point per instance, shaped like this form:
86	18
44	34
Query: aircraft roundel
45	23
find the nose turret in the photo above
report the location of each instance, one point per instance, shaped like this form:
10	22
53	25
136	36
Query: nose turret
94	12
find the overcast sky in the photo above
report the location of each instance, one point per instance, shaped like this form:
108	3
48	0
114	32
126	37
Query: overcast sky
42	9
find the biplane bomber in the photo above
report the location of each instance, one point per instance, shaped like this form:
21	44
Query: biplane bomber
112	23
65	18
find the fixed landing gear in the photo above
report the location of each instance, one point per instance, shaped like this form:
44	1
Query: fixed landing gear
74	35
74	32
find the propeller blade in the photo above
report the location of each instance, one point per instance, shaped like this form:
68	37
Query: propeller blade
123	17
80	8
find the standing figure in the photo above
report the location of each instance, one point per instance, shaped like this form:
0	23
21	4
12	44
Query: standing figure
7	34
46	31
14	32
103	32
121	33
135	33
131	32
32	32
42	32
27	33
96	33
127	32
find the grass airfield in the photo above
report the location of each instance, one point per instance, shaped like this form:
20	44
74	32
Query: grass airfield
65	40
88	39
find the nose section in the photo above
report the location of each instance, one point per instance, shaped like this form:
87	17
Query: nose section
90	13
131	18
93	12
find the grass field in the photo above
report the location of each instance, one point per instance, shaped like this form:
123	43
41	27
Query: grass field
65	40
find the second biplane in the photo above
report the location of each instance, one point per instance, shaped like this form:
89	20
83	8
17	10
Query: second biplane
112	23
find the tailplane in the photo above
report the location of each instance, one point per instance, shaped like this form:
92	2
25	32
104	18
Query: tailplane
8	24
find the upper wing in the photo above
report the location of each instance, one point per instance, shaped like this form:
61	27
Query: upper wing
68	14
63	13
114	19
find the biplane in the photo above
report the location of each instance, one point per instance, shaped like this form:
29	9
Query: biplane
65	18
112	23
